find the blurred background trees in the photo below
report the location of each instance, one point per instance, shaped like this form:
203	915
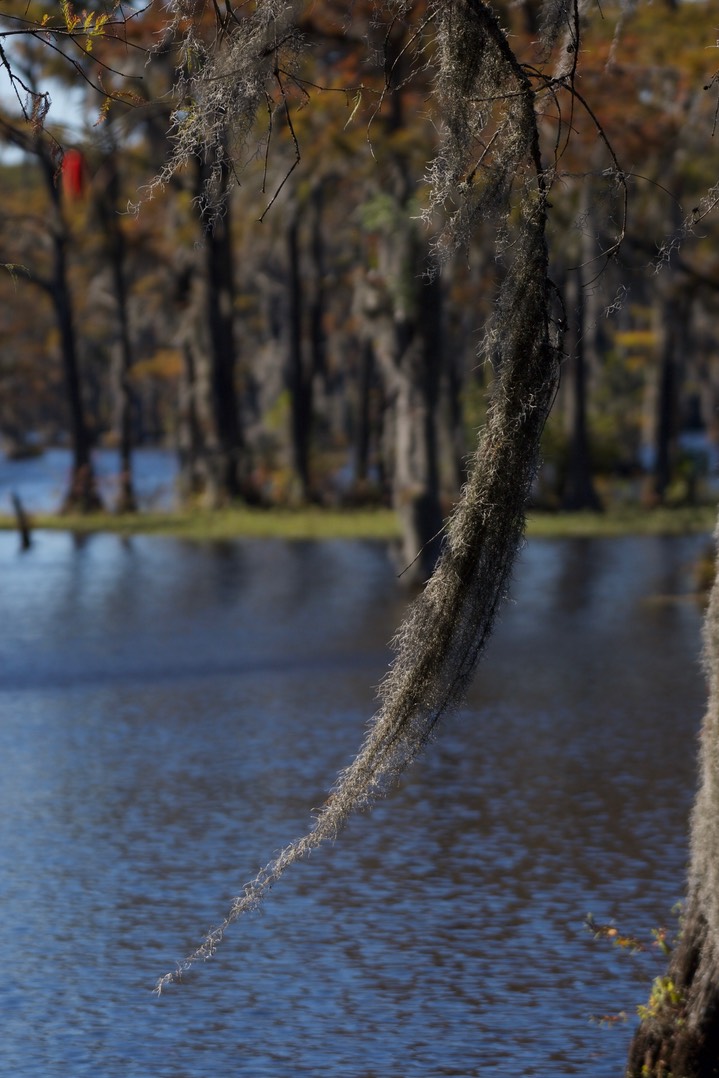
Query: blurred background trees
308	359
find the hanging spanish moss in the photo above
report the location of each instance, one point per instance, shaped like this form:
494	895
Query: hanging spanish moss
222	85
445	632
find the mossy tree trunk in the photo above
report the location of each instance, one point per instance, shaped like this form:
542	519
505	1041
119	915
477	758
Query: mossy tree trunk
679	1036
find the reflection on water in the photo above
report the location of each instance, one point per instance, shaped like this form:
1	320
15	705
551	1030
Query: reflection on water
41	482
171	712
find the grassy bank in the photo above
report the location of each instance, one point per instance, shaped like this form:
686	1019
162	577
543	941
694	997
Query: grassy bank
229	524
362	523
624	520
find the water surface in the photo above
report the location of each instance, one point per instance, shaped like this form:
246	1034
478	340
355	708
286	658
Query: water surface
41	482
171	712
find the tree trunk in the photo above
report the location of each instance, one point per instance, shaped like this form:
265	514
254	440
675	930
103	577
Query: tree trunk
318	340
198	442
665	408
679	1036
673	316
402	314
364	420
107	203
189	434
579	491
426	511
299	378
211	445
81	495
220	295
455	424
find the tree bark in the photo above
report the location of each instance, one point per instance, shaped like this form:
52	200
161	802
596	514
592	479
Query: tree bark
81	495
679	1036
107	202
299	377
364	420
220	296
189	433
198	441
672	331
402	314
455	423
579	490
213	463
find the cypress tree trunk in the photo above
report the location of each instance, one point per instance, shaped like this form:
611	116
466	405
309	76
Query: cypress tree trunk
81	495
402	313
299	378
364	421
455	423
198	445
426	510
189	432
220	296
665	413
318	340
583	318
679	1036
579	492
107	203
213	463
672	331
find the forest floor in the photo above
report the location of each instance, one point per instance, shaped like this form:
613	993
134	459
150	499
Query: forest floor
316	523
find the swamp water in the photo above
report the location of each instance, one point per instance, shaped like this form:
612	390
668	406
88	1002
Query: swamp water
171	712
42	481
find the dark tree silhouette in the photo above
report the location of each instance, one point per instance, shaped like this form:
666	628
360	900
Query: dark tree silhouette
81	494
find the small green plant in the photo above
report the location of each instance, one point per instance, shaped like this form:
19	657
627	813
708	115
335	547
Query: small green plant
665	1002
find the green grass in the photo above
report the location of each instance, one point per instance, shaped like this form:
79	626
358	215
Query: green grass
229	523
380	524
624	520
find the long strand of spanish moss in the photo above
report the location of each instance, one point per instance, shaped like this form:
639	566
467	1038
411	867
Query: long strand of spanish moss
445	632
447	627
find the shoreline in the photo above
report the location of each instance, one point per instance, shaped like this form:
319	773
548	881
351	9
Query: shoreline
378	524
